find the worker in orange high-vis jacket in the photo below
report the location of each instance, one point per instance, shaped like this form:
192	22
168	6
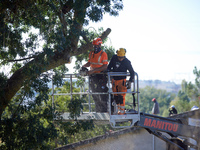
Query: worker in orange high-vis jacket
119	63
98	61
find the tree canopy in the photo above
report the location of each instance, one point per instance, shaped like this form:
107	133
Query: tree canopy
38	36
189	95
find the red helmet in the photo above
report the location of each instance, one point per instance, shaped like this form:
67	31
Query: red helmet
153	99
97	41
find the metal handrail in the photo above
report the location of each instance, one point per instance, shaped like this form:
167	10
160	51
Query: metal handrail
110	74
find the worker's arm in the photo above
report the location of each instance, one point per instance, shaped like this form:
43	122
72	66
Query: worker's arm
102	68
87	65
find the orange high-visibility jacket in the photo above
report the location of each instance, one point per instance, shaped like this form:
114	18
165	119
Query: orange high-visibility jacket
97	60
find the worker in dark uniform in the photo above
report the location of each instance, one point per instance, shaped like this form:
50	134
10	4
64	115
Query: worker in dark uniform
155	109
119	63
98	61
172	111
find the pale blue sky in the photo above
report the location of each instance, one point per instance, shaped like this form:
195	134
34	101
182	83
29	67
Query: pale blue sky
162	37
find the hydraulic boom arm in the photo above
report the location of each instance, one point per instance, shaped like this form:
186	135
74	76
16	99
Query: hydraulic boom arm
173	127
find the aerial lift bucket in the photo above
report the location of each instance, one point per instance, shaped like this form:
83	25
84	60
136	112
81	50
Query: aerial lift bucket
116	121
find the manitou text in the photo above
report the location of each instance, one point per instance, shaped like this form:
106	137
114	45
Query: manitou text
160	124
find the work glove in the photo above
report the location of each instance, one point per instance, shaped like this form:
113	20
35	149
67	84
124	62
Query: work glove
128	85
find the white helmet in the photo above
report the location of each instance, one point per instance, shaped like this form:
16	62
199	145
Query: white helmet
194	108
172	106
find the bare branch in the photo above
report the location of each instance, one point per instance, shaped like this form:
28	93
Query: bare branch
19	59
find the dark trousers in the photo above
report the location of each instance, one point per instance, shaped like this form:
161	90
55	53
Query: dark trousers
98	84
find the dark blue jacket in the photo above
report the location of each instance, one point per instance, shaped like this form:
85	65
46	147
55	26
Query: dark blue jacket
120	66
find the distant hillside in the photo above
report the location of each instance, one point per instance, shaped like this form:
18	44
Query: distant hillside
158	84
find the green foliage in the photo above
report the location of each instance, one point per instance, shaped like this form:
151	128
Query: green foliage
82	134
183	96
185	99
64	103
75	106
189	94
181	105
58	76
162	96
28	128
197	80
